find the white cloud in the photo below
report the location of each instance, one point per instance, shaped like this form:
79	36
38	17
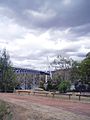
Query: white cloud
10	30
30	47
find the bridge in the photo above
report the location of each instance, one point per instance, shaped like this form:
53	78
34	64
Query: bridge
30	78
30	71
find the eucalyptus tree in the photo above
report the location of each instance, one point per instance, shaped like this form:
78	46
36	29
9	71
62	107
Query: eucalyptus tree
61	62
7	76
85	69
75	72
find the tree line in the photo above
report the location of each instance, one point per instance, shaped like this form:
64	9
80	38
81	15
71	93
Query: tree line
79	74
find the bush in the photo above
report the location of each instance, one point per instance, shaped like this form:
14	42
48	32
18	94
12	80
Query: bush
64	86
41	84
5	112
49	86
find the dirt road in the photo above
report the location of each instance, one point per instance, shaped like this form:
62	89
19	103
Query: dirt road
29	107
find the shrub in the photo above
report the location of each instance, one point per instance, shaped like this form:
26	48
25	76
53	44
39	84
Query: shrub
41	84
64	86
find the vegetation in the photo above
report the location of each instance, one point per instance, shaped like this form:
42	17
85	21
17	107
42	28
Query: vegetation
5	112
64	86
7	77
42	84
75	72
82	70
79	74
85	69
49	86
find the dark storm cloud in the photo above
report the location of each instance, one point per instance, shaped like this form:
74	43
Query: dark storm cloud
75	13
83	30
55	15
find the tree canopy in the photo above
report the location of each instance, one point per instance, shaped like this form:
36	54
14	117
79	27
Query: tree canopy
85	69
81	70
79	74
7	76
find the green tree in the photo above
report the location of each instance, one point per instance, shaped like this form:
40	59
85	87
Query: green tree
7	77
41	84
56	80
81	70
85	69
64	86
75	71
49	86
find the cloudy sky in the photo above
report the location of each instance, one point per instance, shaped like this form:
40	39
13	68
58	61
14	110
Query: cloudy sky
31	30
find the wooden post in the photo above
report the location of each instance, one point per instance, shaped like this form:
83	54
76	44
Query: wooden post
69	96
79	97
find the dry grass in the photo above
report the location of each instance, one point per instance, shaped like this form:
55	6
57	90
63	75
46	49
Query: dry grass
5	111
